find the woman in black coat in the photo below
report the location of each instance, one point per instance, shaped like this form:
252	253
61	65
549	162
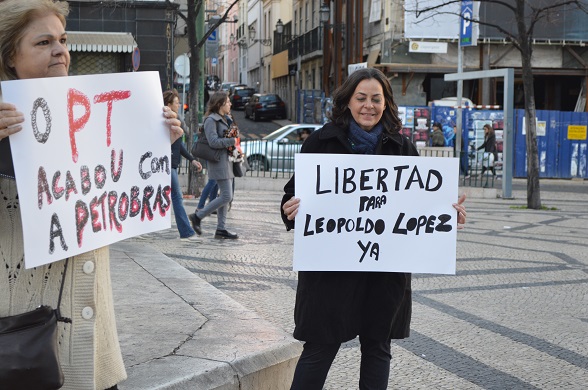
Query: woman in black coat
334	307
489	146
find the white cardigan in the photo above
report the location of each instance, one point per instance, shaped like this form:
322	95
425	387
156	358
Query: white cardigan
89	351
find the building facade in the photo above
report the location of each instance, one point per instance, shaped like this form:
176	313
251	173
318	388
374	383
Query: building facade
122	36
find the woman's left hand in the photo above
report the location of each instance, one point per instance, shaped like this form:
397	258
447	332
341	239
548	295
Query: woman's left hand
461	211
171	119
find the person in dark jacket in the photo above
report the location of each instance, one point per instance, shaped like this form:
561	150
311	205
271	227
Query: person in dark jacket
489	146
172	100
437	139
335	307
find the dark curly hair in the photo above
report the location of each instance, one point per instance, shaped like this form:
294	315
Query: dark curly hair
341	116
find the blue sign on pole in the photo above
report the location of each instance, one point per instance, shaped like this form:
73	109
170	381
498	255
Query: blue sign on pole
212	36
466	24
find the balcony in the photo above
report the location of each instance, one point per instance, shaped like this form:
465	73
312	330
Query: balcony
304	44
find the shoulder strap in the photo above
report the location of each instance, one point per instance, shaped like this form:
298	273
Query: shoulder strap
57	311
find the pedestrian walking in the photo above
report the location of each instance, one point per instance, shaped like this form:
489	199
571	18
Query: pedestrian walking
172	100
490	155
215	126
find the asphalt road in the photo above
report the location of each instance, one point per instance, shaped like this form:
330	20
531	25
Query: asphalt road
251	129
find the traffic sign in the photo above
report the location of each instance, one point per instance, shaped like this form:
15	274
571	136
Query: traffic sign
182	65
467	34
136	58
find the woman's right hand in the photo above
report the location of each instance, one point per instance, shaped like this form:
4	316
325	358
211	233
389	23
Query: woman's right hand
10	120
290	208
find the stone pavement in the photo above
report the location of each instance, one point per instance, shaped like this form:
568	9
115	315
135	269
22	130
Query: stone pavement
514	317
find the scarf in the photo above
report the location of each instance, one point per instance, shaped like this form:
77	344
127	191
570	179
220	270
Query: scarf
362	141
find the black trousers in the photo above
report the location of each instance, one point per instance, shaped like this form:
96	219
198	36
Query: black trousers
316	359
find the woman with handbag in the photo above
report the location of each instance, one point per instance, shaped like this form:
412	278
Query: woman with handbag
33	43
215	128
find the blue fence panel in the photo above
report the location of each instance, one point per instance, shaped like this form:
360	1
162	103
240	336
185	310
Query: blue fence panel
573	153
547	136
559	157
520	151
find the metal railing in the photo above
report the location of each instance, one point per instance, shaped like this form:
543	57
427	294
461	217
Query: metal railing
305	44
276	160
482	170
270	158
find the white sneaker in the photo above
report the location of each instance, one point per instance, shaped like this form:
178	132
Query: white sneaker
193	238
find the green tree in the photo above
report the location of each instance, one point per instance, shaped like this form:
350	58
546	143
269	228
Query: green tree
196	44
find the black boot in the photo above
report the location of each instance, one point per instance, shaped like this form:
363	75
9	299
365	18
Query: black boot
195	223
223	234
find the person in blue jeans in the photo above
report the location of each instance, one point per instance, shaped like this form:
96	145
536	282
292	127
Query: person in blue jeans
209	192
172	100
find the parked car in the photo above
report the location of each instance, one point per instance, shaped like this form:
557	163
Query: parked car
265	105
227	86
241	96
276	150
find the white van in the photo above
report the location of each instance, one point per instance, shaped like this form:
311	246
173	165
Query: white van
452	102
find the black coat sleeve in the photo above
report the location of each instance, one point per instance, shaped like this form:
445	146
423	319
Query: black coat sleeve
184	152
288	193
289	190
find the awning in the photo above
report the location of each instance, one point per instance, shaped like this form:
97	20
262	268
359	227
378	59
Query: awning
100	41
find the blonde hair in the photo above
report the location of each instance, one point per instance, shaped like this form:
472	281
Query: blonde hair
15	17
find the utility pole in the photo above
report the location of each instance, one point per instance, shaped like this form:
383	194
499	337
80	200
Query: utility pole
199	36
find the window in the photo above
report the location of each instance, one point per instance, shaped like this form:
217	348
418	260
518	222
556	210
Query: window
300	32
313	19
307	26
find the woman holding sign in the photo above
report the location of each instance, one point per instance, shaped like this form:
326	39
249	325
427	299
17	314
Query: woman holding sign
33	45
335	307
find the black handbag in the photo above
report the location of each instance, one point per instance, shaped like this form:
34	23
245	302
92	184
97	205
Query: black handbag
28	348
6	167
202	149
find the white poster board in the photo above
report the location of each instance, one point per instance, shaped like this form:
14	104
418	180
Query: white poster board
375	213
92	162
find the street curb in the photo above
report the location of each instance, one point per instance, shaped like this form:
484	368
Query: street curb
179	332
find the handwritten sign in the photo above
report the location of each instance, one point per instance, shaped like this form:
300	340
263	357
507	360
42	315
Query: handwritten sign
375	213
92	162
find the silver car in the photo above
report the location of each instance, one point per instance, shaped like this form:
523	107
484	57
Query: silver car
276	151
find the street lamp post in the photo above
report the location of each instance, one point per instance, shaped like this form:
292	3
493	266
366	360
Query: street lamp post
252	32
264	42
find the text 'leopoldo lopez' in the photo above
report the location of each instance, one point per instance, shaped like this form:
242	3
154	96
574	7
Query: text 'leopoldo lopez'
385	181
